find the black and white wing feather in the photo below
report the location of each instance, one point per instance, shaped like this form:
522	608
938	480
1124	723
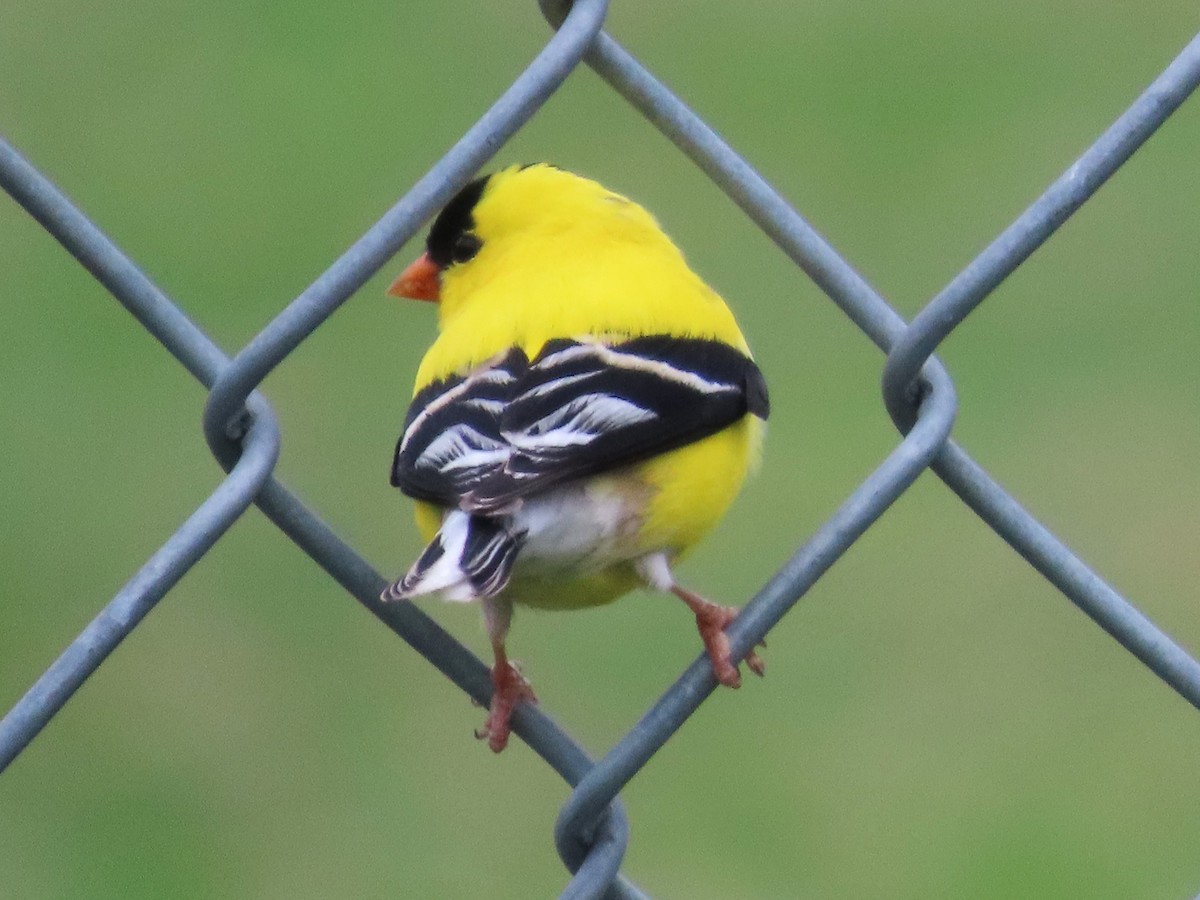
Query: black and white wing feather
516	427
452	434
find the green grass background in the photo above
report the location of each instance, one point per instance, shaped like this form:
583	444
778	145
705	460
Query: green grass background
937	721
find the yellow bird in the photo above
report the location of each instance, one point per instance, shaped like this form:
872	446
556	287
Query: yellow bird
586	414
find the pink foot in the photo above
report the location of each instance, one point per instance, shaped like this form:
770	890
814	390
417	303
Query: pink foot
711	621
510	687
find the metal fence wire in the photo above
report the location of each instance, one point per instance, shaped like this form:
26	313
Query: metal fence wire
919	395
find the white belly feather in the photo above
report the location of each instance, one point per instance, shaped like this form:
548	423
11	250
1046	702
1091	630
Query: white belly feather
581	527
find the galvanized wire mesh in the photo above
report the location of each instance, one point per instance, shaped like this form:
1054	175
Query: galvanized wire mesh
919	395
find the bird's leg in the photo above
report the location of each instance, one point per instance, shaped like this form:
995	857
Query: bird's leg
509	686
711	621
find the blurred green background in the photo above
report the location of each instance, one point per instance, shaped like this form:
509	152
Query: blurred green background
937	721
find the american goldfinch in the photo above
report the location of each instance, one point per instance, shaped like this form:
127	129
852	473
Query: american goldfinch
586	414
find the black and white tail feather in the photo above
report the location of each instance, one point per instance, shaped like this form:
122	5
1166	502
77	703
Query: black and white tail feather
470	557
481	443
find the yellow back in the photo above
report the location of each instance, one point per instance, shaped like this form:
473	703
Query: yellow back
564	257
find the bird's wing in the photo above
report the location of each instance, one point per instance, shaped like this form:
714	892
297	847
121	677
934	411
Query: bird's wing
580	408
452	437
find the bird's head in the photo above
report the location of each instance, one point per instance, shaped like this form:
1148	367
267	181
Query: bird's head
515	220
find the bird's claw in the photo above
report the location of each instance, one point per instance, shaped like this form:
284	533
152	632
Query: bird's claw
756	663
510	687
712	620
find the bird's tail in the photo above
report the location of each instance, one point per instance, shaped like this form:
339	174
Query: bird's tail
470	557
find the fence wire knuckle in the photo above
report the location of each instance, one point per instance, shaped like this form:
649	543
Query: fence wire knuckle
592	830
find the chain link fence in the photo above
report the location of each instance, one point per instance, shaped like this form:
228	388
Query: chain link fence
592	830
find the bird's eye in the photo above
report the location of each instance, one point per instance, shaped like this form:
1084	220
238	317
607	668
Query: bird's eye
465	247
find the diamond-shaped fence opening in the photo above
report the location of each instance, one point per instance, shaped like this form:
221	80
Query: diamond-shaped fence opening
919	395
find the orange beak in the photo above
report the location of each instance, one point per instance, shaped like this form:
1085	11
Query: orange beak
422	280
